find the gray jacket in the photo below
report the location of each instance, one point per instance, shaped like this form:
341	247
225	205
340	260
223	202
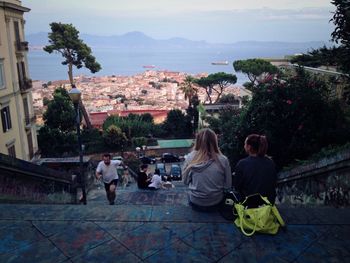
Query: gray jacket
207	181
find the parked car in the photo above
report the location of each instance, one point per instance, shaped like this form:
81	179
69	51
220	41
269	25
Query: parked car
147	160
170	158
117	158
162	170
175	172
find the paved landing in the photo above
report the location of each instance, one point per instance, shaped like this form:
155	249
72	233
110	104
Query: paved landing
159	226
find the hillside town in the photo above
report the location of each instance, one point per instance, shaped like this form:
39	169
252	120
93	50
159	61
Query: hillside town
155	92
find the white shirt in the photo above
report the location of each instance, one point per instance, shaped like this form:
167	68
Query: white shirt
109	172
156	181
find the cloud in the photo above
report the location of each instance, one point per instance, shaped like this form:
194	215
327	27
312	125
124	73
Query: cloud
226	22
274	14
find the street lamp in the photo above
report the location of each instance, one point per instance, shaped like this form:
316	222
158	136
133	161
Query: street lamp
138	151
193	128
144	147
75	96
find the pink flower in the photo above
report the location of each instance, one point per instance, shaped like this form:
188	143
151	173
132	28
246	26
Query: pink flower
300	127
289	102
268	78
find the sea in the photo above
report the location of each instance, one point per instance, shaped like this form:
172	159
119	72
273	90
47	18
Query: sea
131	61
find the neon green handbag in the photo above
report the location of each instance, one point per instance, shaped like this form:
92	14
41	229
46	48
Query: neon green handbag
264	219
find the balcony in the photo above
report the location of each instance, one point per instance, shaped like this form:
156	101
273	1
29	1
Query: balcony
21	46
29	120
25	84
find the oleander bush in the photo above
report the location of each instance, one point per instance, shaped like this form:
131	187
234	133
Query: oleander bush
296	114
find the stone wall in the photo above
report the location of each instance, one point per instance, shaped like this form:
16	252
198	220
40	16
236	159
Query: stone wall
325	182
24	182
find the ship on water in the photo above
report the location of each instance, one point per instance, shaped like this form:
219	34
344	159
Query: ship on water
220	62
148	66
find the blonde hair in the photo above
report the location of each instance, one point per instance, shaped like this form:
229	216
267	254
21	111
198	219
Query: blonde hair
206	148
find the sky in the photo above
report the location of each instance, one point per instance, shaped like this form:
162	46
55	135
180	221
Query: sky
215	21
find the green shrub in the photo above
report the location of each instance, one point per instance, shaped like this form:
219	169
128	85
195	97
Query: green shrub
295	114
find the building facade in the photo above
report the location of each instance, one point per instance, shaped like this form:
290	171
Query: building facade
17	131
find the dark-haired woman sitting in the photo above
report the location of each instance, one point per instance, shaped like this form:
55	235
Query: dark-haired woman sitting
256	173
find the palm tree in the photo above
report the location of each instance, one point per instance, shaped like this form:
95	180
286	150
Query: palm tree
188	89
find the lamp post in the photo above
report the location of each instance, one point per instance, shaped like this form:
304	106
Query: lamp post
75	96
192	126
144	147
138	151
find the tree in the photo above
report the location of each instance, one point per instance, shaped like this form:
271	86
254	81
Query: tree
60	113
192	112
177	125
57	136
207	85
55	143
138	141
65	40
133	125
341	33
318	57
229	99
114	137
341	20
295	115
217	82
45	101
256	69
221	80
188	88
147	117
338	56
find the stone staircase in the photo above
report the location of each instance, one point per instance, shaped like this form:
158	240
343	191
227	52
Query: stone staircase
159	226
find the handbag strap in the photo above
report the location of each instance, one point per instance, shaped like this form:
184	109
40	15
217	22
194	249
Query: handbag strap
278	215
242	228
265	199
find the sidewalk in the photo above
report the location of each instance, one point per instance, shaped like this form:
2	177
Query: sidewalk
159	226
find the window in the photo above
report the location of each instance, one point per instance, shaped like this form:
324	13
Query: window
6	119
2	75
17	35
12	151
23	69
30	145
26	111
20	75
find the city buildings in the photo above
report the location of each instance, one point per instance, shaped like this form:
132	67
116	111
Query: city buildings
17	132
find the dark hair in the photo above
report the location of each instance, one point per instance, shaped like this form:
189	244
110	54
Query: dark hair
143	166
107	155
258	144
157	171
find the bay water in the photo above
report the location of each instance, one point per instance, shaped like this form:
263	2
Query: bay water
131	61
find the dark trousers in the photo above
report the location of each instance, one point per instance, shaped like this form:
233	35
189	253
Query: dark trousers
111	196
225	211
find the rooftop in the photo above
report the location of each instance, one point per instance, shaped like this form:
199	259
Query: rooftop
175	143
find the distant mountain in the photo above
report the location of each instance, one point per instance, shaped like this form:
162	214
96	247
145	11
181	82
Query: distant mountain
37	39
140	40
272	44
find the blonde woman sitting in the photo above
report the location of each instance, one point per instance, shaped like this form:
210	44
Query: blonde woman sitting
207	172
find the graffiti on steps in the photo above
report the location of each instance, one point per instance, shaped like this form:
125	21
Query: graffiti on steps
324	182
328	189
15	189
